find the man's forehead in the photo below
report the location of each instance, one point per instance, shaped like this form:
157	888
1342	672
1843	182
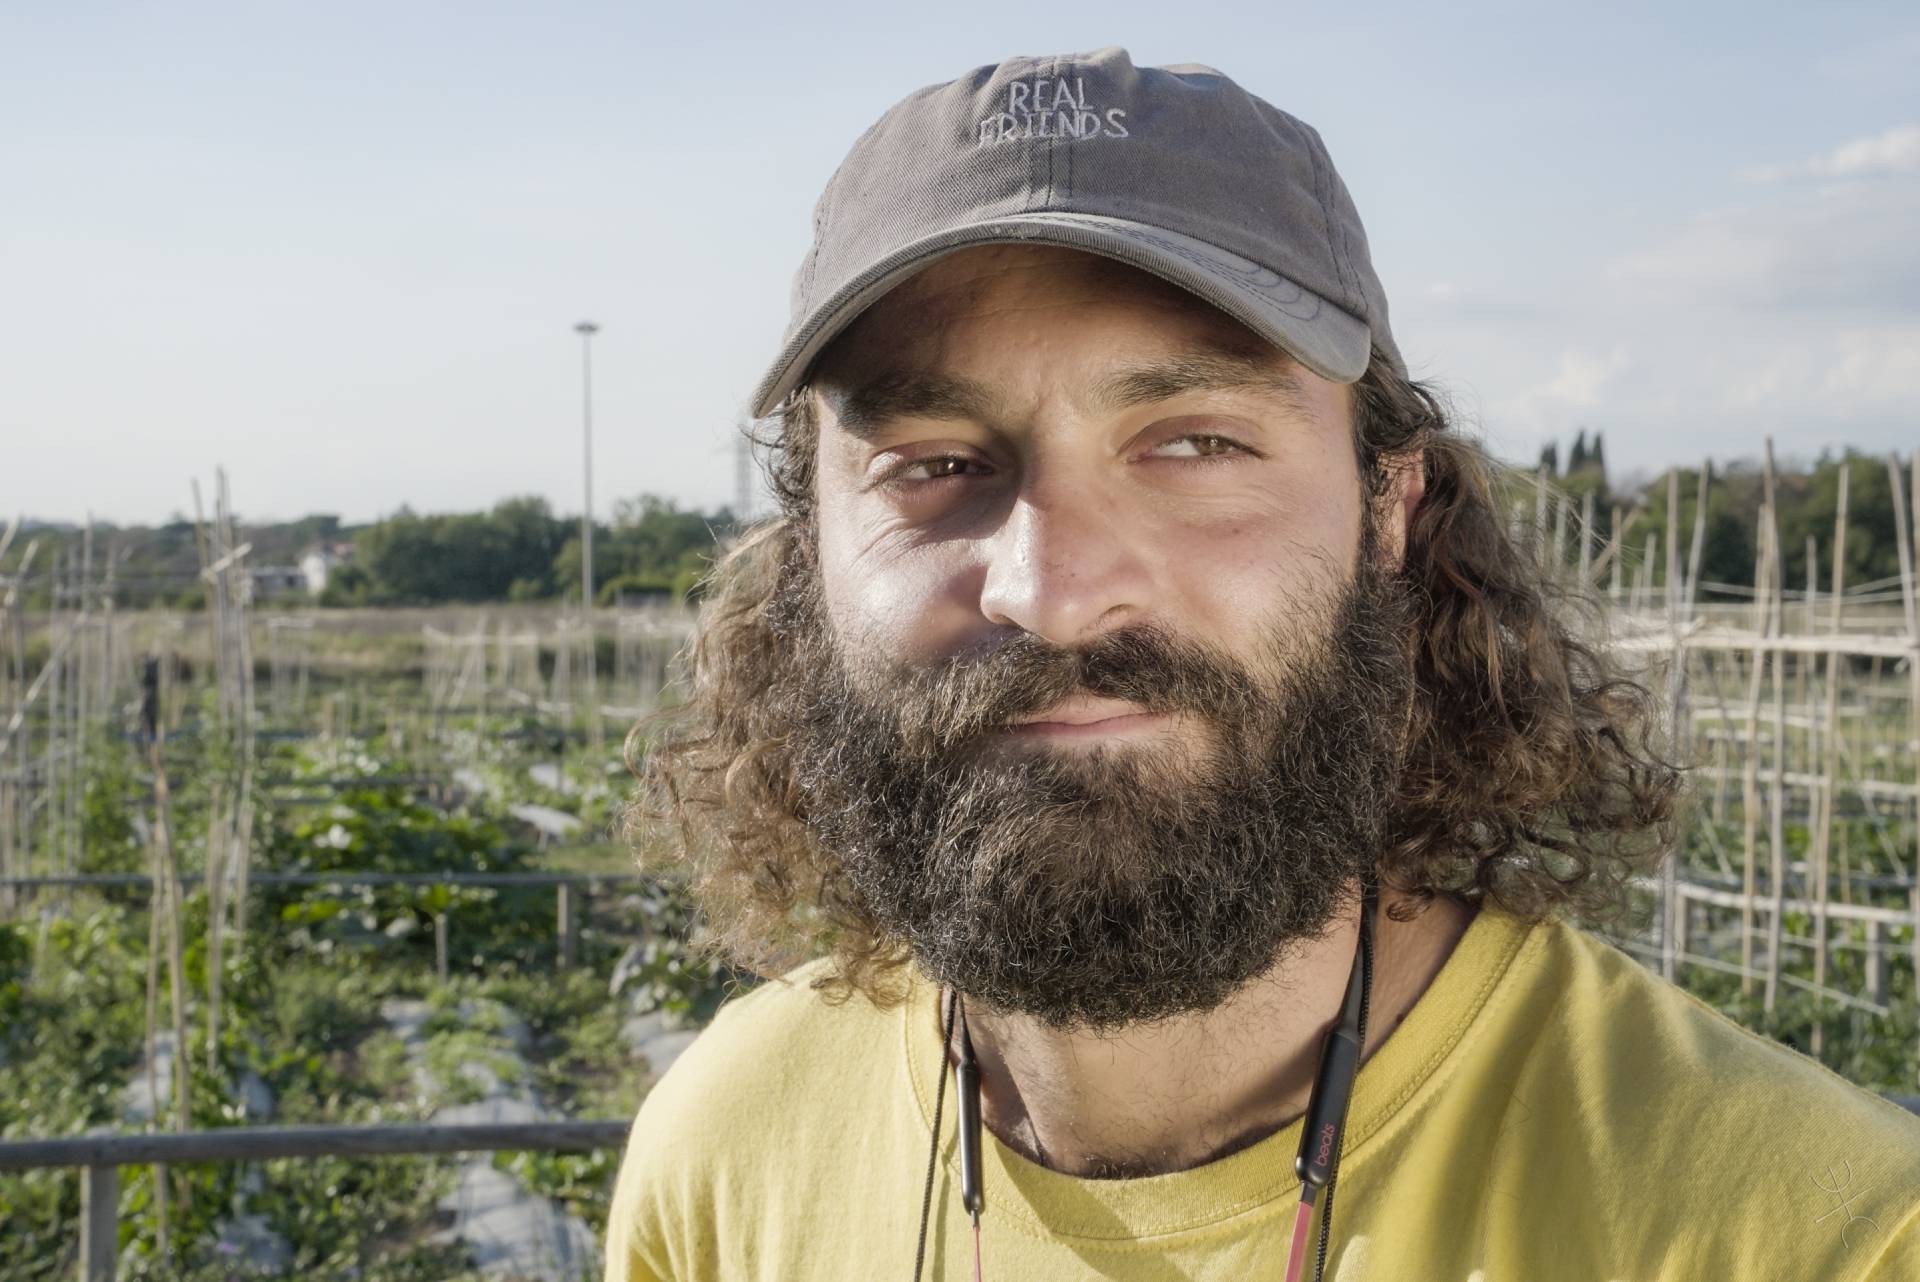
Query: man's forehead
977	268
910	329
948	289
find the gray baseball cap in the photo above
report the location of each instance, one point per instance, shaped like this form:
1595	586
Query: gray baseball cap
1176	170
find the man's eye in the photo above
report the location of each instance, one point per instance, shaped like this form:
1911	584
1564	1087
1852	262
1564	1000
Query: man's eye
933	469
1199	445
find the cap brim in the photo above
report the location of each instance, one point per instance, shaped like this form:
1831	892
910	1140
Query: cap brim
1326	339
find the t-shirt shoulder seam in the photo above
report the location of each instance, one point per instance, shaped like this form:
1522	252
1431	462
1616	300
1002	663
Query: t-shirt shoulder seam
1527	936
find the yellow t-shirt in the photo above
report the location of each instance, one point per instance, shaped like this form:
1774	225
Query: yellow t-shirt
1548	1111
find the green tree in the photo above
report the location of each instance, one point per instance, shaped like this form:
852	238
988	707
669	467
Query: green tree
651	544
1808	507
347	585
1727	551
472	556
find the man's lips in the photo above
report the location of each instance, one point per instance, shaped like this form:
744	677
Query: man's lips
1085	715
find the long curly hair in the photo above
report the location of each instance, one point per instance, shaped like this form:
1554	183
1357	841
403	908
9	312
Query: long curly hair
1534	774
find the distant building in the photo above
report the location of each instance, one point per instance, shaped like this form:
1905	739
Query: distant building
271	581
319	562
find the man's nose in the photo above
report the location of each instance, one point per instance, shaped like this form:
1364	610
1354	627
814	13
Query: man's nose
1063	561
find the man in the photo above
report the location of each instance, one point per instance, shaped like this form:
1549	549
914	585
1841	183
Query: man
1130	624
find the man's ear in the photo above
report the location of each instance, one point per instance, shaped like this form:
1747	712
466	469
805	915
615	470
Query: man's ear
1406	486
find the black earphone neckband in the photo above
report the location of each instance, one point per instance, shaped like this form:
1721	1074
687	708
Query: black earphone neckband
1322	1137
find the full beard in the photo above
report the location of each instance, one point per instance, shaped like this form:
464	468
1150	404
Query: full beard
1100	887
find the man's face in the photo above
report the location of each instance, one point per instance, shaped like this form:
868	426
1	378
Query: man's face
1101	667
1086	493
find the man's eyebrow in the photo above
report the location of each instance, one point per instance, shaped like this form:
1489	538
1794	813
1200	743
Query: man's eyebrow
913	393
916	393
1209	371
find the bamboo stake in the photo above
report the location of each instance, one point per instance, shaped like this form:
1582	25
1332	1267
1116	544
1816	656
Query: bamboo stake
1698	548
1538	538
1560	507
1679	605
82	689
1615	541
1776	818
156	901
1586	542
15	837
1764	571
57	666
1809	625
213	565
1718	813
1645	579
115	554
168	867
1823	835
244	723
215	883
1846	868
1908	537
1672	581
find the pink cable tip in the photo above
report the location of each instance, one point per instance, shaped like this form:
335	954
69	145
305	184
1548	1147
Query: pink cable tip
1297	1253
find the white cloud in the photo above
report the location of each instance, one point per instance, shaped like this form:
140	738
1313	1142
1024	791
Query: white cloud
1897	151
1795	316
1690	391
1837	247
1893	151
1876	369
1580	381
1820	379
1583	375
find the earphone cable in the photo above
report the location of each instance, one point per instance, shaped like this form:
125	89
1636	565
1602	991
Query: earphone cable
1356	1011
1366	994
933	1147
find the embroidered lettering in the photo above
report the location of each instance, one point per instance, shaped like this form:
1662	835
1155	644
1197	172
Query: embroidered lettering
1048	107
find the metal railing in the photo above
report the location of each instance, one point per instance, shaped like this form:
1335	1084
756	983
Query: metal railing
100	1157
591	880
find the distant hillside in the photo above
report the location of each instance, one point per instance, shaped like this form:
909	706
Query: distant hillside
149	564
518	550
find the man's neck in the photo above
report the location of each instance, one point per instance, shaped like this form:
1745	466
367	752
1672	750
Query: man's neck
1170	1096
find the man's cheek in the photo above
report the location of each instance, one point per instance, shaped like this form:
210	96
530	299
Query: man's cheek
912	616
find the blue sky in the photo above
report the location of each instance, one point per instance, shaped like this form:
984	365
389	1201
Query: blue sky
339	248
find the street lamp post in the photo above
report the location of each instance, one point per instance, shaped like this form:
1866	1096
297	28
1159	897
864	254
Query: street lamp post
586	330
